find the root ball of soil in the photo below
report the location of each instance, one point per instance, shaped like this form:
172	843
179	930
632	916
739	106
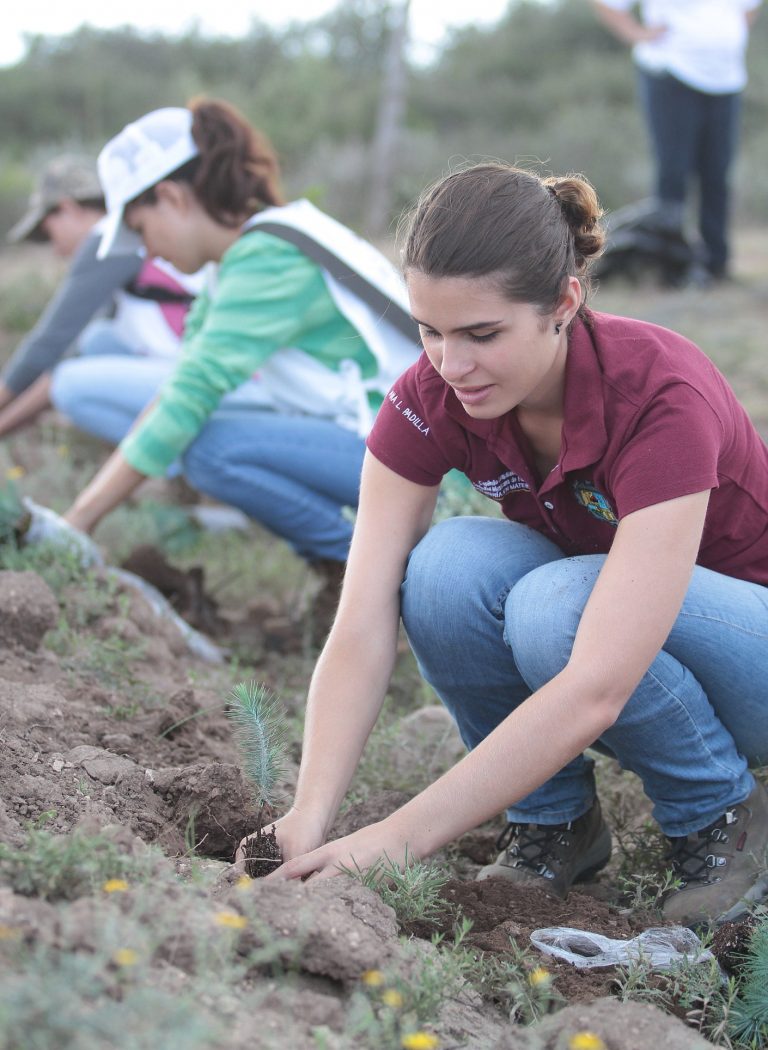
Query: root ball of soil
262	854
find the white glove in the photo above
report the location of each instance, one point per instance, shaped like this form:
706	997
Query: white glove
46	526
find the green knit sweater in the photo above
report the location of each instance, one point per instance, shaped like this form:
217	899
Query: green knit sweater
268	296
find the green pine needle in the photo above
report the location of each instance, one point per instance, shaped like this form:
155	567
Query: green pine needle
260	731
749	1018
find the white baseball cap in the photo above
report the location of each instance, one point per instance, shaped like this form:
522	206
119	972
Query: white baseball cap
143	154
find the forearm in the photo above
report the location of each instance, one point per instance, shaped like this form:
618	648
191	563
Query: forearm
531	745
540	737
345	698
88	287
631	609
15	412
112	485
6	394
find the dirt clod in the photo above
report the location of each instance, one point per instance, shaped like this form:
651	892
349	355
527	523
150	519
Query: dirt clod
28	608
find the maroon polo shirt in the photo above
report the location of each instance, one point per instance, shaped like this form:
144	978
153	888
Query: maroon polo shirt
647	418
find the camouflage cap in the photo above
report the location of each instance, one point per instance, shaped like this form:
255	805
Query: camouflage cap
68	176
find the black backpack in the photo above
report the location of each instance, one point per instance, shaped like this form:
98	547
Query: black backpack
642	244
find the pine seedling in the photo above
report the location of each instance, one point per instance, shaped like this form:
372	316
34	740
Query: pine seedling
260	733
749	1014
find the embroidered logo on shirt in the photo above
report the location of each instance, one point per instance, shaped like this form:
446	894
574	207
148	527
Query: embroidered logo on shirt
595	502
498	488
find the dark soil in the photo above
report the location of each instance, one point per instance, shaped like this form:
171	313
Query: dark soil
184	589
85	737
731	942
262	854
504	913
261	626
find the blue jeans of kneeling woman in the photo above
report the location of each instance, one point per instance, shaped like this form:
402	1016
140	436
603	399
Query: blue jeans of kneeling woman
491	609
293	474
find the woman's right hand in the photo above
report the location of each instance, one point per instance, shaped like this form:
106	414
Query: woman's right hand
297	833
46	526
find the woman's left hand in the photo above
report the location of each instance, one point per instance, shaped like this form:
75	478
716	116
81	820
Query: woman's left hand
361	850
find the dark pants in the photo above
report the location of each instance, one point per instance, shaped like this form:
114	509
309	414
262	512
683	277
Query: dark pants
694	136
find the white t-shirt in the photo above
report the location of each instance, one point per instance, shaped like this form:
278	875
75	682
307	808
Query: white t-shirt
705	43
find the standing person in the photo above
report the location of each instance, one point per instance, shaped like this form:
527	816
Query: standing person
690	56
124	315
200	185
625	600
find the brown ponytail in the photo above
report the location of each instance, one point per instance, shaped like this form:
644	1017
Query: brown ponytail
582	212
496	219
237	172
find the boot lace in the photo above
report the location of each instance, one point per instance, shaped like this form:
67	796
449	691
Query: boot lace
695	858
540	849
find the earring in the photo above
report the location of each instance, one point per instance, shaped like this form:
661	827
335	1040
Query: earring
558	326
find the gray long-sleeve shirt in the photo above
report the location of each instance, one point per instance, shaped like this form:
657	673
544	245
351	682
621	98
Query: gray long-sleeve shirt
88	287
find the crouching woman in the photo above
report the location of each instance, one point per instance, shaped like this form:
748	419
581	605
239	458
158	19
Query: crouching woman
623	602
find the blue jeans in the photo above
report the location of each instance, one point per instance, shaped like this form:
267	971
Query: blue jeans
491	609
103	391
293	474
694	136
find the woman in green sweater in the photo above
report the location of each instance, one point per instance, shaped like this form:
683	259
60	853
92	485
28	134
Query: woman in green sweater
284	362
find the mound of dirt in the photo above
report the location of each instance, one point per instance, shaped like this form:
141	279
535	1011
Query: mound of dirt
125	731
28	608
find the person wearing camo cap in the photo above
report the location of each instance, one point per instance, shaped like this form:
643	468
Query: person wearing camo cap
123	316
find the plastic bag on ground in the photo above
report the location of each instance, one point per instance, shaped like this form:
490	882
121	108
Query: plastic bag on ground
197	643
659	946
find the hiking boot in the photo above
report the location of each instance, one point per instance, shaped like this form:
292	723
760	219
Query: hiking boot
723	867
553	856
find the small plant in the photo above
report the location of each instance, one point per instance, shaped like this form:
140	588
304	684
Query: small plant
383	1015
62	867
412	889
693	990
13	515
646	890
749	1013
391	1012
94	1001
58	566
260	731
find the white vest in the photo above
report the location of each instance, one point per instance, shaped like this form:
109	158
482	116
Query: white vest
298	382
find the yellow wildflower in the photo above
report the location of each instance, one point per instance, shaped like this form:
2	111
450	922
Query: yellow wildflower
230	919
9	933
586	1041
539	976
115	886
420	1041
373	978
125	957
14	473
63	450
391	997
244	882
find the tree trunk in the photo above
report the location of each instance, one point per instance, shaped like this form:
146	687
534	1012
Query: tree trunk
389	120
